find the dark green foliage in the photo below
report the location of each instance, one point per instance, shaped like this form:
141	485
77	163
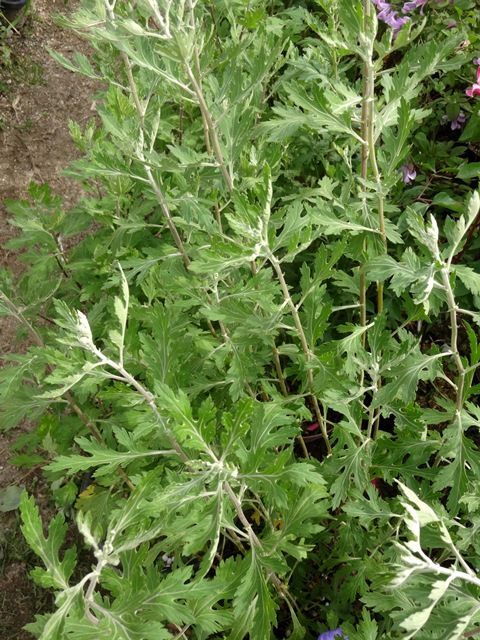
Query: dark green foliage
201	368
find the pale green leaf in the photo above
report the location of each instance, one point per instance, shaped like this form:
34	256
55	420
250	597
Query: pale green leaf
469	277
57	571
254	606
121	314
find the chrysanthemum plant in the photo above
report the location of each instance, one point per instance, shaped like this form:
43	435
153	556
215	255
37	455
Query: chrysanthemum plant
238	329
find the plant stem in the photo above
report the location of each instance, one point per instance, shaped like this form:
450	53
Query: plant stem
378	180
209	126
461	372
369	157
366	116
373	417
368	134
305	348
278	369
276	359
165	211
254	540
147	396
381	214
141	156
38	340
95	575
210	136
16	313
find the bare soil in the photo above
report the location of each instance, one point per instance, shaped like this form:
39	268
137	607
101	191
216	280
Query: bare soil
38	98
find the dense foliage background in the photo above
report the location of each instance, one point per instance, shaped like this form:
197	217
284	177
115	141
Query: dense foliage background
254	360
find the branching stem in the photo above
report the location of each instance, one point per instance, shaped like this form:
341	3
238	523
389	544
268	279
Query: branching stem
38	340
304	343
210	128
147	396
212	141
254	540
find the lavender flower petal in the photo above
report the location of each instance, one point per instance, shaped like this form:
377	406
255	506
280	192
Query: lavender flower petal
409	173
388	15
333	634
458	122
413	4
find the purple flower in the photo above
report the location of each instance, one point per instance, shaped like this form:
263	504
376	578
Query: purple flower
385	10
414	4
386	14
390	16
409	173
476	61
397	24
458	122
333	634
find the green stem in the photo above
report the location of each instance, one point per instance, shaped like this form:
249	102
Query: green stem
375	171
140	154
378	180
278	369
305	348
147	396
276	361
369	158
368	136
153	183
38	340
255	542
366	103
452	309
209	126
364	170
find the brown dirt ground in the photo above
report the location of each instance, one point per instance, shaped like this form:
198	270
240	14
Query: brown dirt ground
39	98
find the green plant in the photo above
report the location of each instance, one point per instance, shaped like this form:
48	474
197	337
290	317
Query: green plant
5	49
238	335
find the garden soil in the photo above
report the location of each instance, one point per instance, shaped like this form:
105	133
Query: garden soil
37	100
